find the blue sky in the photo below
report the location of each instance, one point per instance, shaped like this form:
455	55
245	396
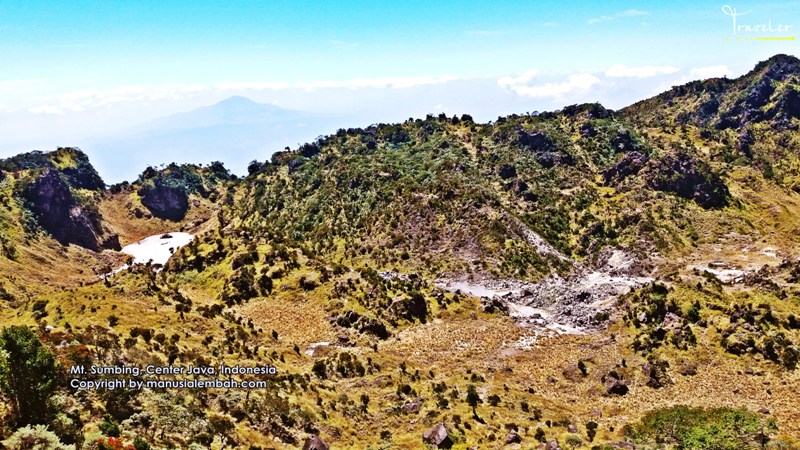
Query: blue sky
104	44
71	70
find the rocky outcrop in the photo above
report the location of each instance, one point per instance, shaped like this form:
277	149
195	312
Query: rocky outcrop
787	107
658	374
535	141
60	214
166	193
513	438
748	108
615	387
588	130
374	327
624	142
765	94
315	443
779	67
689	178
763	91
438	437
364	324
539	143
412	308
413	406
491	305
165	202
628	165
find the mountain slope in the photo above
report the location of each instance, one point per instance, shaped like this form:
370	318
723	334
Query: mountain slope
754	117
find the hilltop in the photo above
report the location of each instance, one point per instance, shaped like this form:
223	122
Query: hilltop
642	259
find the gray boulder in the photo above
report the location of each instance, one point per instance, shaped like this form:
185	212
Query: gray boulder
438	437
315	443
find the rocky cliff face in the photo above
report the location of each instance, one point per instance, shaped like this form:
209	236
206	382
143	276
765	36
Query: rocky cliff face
166	193
59	213
164	201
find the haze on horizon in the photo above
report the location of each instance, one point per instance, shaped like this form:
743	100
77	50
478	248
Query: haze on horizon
95	73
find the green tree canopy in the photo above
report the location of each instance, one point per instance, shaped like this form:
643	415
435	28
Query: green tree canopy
27	374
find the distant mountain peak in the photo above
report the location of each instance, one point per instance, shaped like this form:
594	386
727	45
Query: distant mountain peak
232	110
236	100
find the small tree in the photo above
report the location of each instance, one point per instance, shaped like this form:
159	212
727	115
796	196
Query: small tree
109	426
27	374
582	368
573	440
221	425
320	370
591	430
473	399
141	444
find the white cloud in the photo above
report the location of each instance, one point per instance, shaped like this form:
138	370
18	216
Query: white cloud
509	81
621	14
356	83
633	13
83	100
600	19
95	98
521	85
45	109
78	101
710	72
622	71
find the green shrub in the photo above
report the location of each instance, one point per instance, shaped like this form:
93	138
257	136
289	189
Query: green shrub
109	426
699	428
36	437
